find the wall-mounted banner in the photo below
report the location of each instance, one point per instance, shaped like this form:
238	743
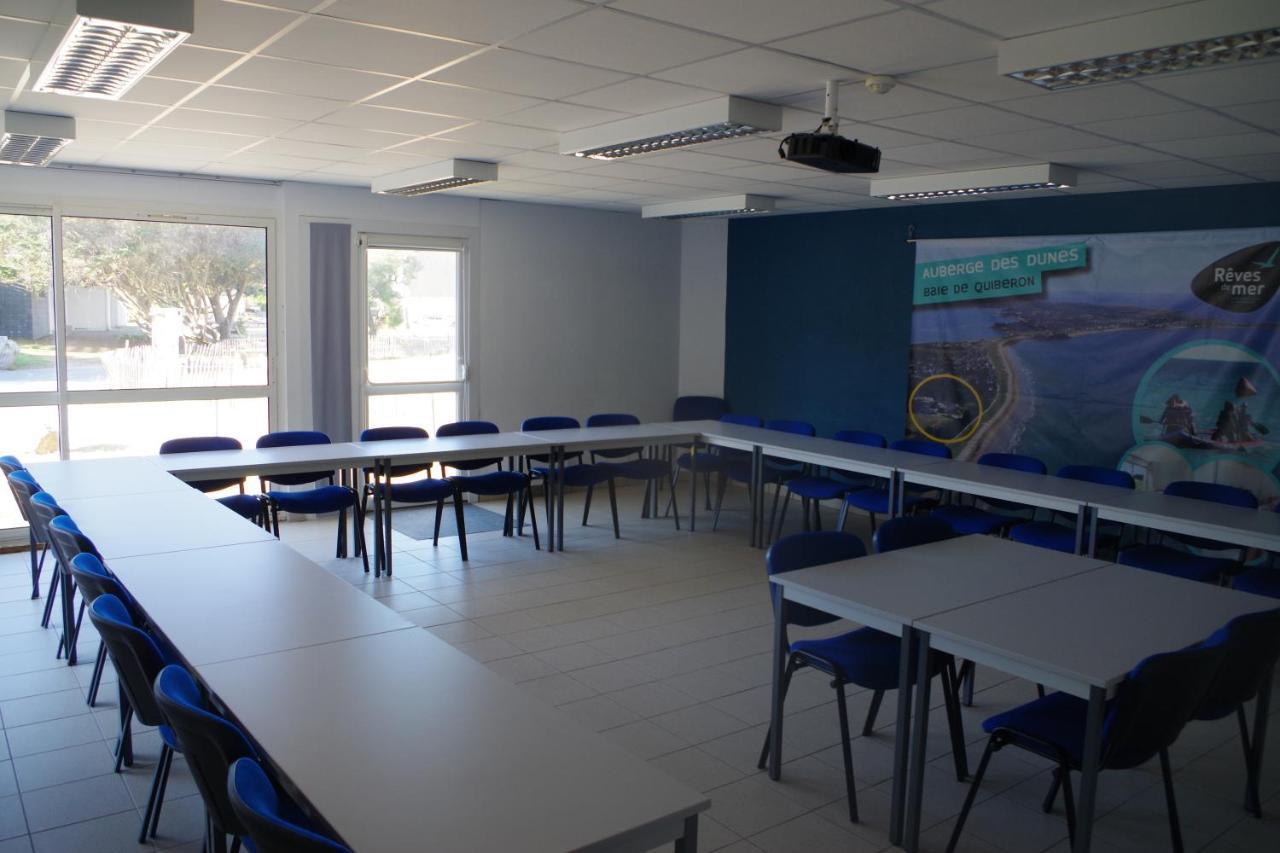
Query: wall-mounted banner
1155	352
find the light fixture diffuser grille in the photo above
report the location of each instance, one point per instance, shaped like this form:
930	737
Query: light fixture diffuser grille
448	175
729	205
435	186
32	139
727	117
668	141
1045	176
103	59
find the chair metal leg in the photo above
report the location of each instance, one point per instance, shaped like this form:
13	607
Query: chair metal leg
844	517
817	515
36	563
1051	795
613	508
993	743
869	725
99	664
533	520
786	684
1175	828
955	726
149	813
846	750
775	532
1252	801
773	512
124	745
164	785
673	510
54	584
461	523
722	483
435	536
586	504
967	677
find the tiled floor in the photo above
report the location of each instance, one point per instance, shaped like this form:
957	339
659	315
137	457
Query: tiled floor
660	642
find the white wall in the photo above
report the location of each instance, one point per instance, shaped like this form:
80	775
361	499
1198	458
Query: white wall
572	310
704	247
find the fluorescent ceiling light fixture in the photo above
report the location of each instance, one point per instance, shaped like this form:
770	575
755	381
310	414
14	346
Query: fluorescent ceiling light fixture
30	139
728	205
984	182
1192	35
439	176
111	44
710	121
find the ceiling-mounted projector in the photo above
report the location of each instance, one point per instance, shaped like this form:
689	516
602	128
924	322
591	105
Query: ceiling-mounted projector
826	149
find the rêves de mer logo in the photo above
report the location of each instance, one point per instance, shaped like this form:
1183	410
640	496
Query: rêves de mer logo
1242	281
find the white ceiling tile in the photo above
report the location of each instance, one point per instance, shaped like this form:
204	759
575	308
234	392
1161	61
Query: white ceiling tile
436	149
1242	84
691	161
778	171
358	170
545	160
1188	124
755	20
430	96
1222	146
557	115
158	90
220	142
19	39
225	122
484	21
1264	114
975	120
269	104
366	117
1252	164
893	44
146	155
315	150
641	95
307	78
1023	17
104	131
608	39
576	180
705	181
236	26
335	42
755	72
194	63
1035	142
1164	169
276	161
1214	181
857	103
951	154
1095	103
495	133
94	108
351	136
975	81
33	10
11	71
1106	156
525	74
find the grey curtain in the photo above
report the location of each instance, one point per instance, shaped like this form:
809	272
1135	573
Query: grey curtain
331	329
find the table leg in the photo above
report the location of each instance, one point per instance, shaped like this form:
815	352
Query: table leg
354	477
1093	532
549	487
386	516
757	505
559	505
693	487
919	745
377	518
895	494
901	738
688	843
1081	524
1090	766
779	664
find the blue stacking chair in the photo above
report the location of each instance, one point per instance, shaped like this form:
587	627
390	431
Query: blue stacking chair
24	488
42	509
424	490
1150	708
69	542
711	460
273	822
834	486
138	659
966	519
1059	537
246	506
583	475
775	471
211	744
865	657
699	408
92	580
874	500
513	484
10	465
320	500
650	471
1260	580
1163	558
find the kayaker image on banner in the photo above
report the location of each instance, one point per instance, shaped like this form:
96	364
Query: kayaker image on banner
1153	352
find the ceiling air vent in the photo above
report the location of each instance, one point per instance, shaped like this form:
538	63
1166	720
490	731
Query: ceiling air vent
448	175
30	139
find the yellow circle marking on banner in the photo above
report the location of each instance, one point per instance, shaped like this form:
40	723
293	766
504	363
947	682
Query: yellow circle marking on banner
969	431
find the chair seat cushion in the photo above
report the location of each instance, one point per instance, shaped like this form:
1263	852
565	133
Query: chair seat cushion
1057	719
169	737
323	499
1170	561
877	500
247	506
817	488
418	491
640	469
1261	580
1045	534
965	520
866	657
493	483
580	475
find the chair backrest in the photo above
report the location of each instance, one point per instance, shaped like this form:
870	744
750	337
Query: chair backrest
209	742
922	446
391	433
908	530
1098	474
800	551
696	408
68	541
1013	461
1216	492
136	654
41	509
469	428
197	443
94	579
1157	698
549	422
273	823
742	420
9	464
23	486
793	427
613	419
1252	645
857	436
292	438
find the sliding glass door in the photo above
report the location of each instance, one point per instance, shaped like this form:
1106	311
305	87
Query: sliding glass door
410	354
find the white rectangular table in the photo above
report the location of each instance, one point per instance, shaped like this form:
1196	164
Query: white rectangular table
1248	528
403	743
235	601
260	461
1080	635
891	591
90	478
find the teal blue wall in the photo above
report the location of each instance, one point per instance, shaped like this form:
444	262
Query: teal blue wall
818	314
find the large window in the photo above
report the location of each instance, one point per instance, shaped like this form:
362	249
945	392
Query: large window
413	340
117	333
